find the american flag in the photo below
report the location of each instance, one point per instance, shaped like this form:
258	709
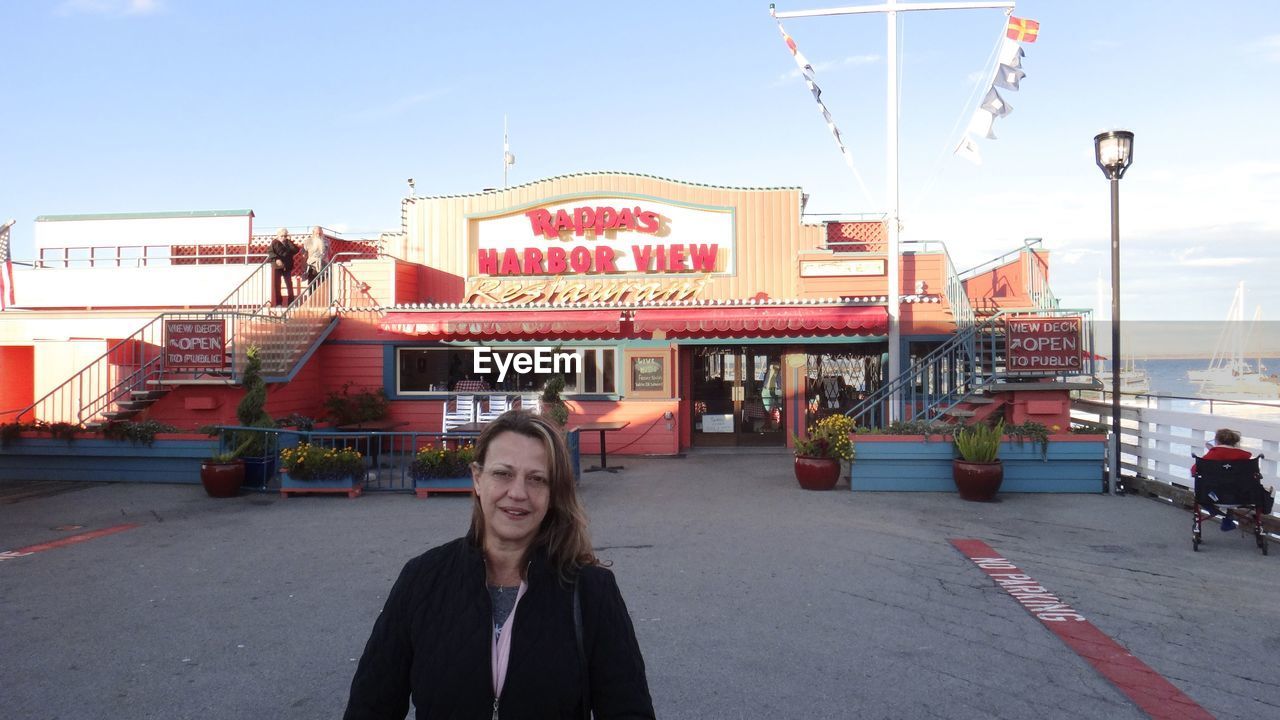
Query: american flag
6	272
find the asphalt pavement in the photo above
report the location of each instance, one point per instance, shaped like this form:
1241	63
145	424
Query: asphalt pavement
751	598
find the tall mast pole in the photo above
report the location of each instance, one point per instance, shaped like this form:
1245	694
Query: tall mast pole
891	198
893	299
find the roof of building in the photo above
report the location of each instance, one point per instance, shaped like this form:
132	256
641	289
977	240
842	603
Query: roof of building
605	172
146	215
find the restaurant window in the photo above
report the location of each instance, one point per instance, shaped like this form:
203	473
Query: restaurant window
453	369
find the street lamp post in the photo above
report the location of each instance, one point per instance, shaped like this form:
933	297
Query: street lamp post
1113	151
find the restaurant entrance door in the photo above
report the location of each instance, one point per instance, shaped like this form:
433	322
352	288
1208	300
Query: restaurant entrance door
737	395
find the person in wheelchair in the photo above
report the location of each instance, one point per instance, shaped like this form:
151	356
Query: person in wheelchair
1226	446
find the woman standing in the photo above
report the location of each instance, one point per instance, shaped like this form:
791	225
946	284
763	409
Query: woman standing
516	620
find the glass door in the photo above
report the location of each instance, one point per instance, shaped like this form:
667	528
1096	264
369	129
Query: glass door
737	396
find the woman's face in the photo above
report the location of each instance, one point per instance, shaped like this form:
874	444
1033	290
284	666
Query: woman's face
513	488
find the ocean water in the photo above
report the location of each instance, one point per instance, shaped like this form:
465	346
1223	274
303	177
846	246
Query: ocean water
1169	377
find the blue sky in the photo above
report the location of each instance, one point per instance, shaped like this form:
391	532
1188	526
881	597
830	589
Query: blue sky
316	113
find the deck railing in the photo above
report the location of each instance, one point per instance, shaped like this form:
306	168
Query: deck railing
1156	441
136	364
968	362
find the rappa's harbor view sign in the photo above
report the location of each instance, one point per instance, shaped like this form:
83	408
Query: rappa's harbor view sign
604	237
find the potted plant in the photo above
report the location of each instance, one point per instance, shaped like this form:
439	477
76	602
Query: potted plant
553	406
442	469
818	456
222	475
310	468
254	448
978	471
348	409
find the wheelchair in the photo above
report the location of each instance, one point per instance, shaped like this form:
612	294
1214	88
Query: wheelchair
1233	488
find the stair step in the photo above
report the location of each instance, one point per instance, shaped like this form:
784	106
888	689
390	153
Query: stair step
134	406
146	395
957	412
121	414
979	400
191	381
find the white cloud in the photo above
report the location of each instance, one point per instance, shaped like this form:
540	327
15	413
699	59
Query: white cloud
1268	48
109	7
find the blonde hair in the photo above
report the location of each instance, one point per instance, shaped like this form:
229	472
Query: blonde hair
563	532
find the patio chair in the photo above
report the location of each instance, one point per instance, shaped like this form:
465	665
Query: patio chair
463	411
497	405
530	402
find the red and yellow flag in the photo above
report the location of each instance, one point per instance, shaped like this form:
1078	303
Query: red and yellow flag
1022	30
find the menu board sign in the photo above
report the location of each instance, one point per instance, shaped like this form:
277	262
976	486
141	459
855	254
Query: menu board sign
648	373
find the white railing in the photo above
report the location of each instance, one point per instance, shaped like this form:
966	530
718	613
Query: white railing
1156	443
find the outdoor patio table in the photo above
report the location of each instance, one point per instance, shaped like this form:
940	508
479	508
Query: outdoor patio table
469	431
603	427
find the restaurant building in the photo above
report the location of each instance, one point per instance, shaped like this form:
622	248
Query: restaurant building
701	315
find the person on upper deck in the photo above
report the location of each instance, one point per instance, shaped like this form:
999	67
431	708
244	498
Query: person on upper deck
281	255
317	247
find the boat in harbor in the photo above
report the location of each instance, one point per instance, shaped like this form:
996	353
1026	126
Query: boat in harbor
1230	374
1134	379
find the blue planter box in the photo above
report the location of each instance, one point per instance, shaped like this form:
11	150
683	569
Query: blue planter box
909	463
352	486
426	486
173	459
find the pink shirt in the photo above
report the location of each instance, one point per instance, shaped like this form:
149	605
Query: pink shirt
502	645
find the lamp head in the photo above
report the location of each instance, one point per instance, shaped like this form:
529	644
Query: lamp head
1113	151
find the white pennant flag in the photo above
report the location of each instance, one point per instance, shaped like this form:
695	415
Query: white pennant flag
968	149
1011	53
806	69
982	124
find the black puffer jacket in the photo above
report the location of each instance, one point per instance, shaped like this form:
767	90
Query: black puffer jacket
434	636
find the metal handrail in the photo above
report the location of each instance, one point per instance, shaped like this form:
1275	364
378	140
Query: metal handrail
996	262
1037	283
961	309
99	388
969	361
934	383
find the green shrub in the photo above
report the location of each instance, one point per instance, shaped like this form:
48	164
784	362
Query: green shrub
348	408
979	443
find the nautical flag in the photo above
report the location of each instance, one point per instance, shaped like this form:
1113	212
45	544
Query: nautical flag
6	268
968	149
995	104
1008	76
806	70
508	158
982	124
1022	30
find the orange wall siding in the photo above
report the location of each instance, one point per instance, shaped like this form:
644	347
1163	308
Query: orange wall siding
648	434
17	390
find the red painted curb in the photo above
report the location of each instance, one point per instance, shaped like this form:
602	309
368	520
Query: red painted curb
1148	689
69	540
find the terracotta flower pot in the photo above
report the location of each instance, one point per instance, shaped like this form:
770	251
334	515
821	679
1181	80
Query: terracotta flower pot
222	480
817	473
977	481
